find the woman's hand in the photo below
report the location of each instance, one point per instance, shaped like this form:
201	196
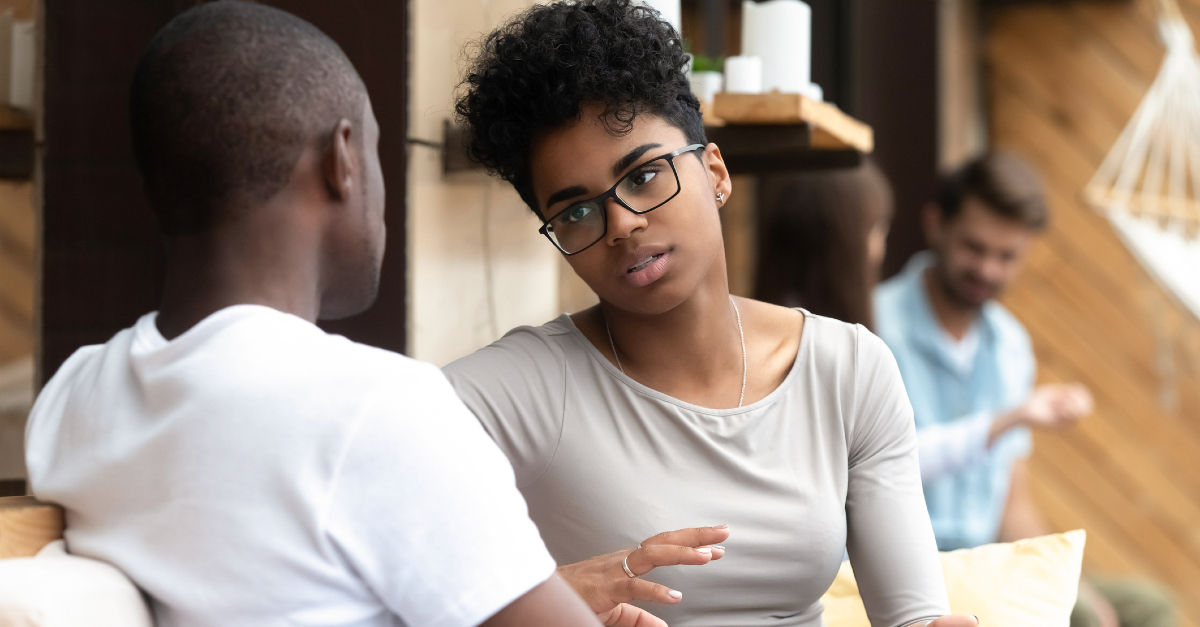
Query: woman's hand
607	589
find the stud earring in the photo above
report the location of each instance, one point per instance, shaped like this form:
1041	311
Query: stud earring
720	196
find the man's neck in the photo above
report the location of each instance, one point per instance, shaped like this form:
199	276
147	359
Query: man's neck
954	318
211	271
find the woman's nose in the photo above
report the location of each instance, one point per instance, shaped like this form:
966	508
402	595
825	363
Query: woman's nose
622	223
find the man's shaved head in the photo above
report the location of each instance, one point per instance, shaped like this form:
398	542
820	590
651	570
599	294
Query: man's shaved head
224	100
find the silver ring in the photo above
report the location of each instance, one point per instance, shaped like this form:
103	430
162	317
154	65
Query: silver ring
625	565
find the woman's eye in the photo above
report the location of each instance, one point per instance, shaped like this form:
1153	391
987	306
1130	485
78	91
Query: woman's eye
575	214
637	179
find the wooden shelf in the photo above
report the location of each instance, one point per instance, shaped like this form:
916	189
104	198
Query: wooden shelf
768	148
15	119
16	144
830	127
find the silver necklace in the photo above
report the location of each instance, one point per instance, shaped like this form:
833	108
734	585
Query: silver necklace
741	334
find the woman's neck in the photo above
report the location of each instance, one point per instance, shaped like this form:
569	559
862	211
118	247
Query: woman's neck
692	352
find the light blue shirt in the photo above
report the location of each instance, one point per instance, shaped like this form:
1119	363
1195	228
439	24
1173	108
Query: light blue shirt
954	403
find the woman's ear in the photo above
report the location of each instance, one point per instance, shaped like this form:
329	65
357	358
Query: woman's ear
339	164
718	175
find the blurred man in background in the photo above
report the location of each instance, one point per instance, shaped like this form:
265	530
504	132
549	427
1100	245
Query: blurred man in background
969	369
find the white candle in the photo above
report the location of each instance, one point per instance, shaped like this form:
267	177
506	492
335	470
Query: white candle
780	32
744	75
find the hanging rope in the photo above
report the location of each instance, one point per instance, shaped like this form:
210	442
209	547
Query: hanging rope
1153	170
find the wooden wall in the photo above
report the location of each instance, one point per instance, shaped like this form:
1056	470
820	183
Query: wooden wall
1063	80
18	236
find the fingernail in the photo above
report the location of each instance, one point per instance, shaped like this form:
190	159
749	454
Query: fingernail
721	527
705	551
717	546
976	619
675	594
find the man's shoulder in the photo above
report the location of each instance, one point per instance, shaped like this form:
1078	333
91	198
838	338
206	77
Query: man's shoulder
892	303
305	350
348	372
1006	325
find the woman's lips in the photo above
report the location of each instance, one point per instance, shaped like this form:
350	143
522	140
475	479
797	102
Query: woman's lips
648	270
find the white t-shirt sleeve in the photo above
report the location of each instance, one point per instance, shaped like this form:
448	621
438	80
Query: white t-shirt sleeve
425	509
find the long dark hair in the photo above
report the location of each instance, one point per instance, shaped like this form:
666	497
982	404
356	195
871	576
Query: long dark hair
812	240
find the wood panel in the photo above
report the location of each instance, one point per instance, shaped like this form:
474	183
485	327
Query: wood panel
1064	78
18	228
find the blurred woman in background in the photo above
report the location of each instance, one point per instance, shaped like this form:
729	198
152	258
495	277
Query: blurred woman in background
822	239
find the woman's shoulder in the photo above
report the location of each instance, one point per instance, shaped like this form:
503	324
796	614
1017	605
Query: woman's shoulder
525	343
839	351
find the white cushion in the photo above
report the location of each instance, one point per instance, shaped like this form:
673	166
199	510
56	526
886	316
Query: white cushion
55	589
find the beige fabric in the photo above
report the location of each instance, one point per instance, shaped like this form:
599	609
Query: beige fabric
55	589
1031	583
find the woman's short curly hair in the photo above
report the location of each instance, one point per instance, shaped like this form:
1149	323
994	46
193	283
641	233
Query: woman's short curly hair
534	72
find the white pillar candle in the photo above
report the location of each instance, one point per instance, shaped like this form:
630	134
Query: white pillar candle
780	32
744	75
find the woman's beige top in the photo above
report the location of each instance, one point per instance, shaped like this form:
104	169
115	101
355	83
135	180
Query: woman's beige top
825	462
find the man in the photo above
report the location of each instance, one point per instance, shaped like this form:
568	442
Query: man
969	370
240	465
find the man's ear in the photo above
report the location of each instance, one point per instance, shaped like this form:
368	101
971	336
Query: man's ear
340	163
718	174
932	223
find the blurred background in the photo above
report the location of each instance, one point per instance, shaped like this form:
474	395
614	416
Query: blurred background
938	81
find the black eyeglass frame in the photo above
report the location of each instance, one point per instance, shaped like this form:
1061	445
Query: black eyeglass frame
612	193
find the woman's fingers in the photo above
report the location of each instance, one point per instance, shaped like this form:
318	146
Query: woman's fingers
642	590
625	615
693	537
649	557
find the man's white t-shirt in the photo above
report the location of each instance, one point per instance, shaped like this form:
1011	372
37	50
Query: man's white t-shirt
258	471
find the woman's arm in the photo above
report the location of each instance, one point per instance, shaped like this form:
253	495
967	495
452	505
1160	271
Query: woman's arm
889	537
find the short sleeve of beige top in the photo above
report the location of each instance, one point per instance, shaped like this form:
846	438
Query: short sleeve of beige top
827	461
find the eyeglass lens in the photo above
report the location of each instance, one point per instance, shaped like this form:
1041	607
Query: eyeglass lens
643	189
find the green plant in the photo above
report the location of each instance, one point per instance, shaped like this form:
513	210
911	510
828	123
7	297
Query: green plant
708	64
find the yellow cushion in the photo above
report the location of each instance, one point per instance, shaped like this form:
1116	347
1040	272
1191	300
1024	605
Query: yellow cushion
1031	583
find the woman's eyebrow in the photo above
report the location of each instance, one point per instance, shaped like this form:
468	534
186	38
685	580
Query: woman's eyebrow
618	167
634	155
565	194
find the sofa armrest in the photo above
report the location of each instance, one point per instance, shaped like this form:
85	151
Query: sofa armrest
27	525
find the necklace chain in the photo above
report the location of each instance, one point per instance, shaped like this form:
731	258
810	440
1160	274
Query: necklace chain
741	335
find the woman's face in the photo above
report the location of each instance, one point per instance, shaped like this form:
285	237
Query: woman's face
649	263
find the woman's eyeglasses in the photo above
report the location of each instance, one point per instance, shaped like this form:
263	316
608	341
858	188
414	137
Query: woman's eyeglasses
644	189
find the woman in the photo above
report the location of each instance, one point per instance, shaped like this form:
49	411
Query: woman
671	403
822	239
